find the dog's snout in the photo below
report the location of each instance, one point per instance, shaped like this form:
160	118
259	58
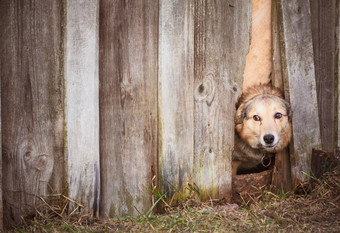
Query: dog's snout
268	138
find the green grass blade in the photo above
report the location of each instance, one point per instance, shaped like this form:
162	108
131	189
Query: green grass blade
153	206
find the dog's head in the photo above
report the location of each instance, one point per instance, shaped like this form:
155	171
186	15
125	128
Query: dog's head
263	118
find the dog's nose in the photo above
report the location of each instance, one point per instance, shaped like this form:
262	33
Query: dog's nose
268	138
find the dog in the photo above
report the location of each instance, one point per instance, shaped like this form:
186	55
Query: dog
262	125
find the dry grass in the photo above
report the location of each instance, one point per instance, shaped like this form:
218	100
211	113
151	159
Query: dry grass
316	211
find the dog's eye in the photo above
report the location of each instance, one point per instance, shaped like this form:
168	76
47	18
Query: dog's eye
256	118
278	115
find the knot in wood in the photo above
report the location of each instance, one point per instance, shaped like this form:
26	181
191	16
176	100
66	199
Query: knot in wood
126	93
27	155
205	91
37	162
235	88
41	162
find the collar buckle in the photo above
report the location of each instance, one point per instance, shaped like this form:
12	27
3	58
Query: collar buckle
266	160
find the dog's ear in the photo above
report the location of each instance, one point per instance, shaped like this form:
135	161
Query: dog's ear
239	105
288	110
240	114
240	100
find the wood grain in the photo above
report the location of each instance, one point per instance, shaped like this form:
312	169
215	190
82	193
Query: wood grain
175	96
301	82
32	103
82	103
277	72
323	31
1	195
338	70
128	105
220	57
281	177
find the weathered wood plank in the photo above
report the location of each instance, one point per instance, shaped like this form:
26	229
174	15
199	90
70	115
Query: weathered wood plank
277	75
302	88
175	103
323	31
338	68
281	177
128	105
258	66
32	103
1	197
220	56
82	103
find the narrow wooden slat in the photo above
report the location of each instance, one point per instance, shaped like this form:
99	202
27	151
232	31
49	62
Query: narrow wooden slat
32	103
1	197
338	69
128	105
222	30
175	103
301	83
82	103
281	177
277	75
323	31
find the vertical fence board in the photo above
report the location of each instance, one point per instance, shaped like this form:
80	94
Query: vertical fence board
82	102
277	75
128	105
323	29
1	197
32	103
222	30
301	78
338	67
175	103
281	177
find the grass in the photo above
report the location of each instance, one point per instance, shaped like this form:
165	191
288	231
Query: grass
316	210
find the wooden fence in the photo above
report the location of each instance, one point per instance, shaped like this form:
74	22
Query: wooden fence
99	97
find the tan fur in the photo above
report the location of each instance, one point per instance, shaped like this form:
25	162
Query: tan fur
263	101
